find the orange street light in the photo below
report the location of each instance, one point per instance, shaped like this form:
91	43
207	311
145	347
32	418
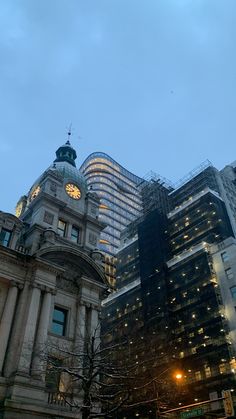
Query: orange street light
178	376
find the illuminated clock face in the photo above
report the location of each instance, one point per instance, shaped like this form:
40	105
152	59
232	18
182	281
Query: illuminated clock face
35	192
73	191
19	209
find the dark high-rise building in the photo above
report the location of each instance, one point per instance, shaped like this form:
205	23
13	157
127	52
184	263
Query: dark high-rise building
178	263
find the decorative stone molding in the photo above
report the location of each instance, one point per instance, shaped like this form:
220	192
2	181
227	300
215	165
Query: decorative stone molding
47	266
93	209
9	258
92	239
43	288
66	285
17	284
74	252
53	186
48	217
89	304
52	291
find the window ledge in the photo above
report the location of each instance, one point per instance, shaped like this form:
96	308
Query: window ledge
54	335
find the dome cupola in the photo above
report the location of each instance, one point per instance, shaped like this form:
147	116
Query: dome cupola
66	153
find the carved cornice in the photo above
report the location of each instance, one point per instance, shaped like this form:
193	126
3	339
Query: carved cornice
90	281
8	217
12	257
47	266
31	263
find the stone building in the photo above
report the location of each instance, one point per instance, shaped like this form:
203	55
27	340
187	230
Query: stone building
51	286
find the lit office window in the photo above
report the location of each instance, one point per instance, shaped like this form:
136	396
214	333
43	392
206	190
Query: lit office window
222	368
61	228
59	321
75	234
5	237
207	372
198	375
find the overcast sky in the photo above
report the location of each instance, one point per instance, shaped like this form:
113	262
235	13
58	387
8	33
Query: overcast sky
150	82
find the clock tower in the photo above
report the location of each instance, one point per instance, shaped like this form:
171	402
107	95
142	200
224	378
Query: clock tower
59	207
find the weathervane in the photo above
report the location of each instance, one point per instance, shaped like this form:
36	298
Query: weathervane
69	133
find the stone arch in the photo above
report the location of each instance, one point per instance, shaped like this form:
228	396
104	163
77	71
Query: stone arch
74	261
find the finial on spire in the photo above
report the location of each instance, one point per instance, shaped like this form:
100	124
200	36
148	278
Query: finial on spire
69	134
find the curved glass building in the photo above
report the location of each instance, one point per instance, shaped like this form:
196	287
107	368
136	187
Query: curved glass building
120	198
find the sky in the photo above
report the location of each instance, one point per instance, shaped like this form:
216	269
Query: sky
150	82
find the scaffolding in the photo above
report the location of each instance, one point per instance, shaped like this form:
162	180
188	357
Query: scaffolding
203	166
154	190
155	177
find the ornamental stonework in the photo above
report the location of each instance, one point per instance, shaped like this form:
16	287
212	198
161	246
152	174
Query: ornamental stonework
48	217
66	285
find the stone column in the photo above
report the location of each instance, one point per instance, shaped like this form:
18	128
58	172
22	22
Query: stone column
30	329
38	364
6	320
80	327
16	337
69	229
94	320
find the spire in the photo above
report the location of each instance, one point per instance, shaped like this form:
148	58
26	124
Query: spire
69	134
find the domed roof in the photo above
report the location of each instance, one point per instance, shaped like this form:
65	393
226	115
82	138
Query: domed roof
67	171
65	166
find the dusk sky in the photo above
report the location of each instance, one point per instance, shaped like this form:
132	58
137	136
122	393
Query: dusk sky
150	82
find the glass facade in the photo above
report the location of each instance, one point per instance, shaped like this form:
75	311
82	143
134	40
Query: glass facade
120	197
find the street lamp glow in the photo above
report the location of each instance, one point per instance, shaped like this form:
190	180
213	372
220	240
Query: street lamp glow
178	376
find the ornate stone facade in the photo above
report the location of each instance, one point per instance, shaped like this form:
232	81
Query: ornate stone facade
46	274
